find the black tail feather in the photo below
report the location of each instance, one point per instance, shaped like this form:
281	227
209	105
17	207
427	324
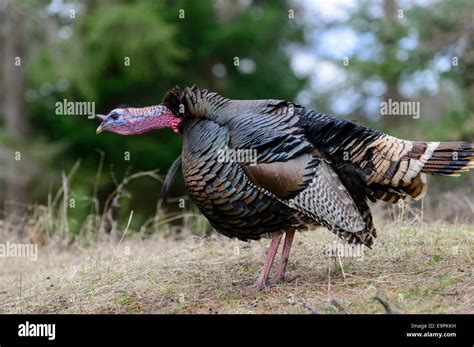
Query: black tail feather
172	171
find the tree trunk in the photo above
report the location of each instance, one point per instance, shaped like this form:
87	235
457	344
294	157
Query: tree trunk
390	38
14	111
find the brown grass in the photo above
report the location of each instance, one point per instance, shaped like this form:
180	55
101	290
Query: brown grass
416	268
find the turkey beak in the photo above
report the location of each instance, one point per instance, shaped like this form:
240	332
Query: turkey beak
99	128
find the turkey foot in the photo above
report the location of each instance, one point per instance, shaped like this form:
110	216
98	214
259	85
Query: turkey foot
261	282
285	255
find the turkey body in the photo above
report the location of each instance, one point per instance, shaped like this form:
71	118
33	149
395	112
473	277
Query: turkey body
231	202
308	169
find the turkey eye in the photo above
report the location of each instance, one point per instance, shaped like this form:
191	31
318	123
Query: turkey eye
114	116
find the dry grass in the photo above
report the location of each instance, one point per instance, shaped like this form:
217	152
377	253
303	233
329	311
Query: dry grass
416	269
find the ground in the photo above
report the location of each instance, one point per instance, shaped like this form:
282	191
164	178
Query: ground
414	269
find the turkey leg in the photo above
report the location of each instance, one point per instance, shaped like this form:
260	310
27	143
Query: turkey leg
285	254
262	278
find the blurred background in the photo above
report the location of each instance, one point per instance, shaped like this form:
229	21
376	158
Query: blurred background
339	57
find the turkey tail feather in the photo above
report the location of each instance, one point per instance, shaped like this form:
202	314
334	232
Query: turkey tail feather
173	170
389	167
450	159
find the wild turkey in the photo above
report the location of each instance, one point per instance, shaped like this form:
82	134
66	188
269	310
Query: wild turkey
310	168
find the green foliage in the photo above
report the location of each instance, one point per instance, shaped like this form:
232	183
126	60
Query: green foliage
126	44
440	30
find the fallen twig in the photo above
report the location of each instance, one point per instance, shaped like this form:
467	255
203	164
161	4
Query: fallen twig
385	304
338	305
310	307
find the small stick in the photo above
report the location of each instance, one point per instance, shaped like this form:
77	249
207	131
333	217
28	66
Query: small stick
21	278
310	307
385	304
342	267
339	306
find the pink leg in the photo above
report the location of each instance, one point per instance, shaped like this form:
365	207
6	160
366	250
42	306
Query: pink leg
262	279
285	254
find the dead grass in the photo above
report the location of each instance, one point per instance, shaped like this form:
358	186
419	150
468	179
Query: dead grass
416	269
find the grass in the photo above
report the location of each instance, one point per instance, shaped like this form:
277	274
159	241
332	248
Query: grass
415	268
